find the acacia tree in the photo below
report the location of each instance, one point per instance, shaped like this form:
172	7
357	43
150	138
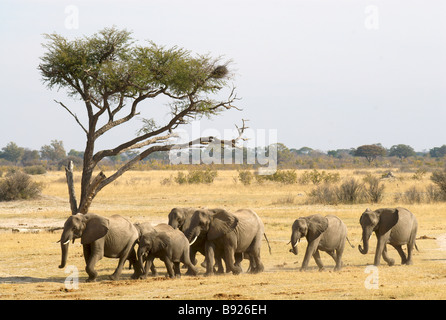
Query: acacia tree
113	75
370	152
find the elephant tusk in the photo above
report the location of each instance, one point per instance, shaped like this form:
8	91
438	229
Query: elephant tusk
195	239
295	245
66	242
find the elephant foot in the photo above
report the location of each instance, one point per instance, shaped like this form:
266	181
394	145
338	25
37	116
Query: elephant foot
321	269
91	280
192	272
113	277
208	274
391	262
409	262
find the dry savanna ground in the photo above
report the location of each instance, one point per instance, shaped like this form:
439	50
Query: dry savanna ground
29	261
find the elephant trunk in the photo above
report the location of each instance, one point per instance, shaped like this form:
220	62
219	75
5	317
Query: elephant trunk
141	260
294	241
365	238
64	243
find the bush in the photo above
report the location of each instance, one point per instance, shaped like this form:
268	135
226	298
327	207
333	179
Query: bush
37	169
17	186
245	177
196	176
351	191
439	178
317	177
374	189
324	194
281	176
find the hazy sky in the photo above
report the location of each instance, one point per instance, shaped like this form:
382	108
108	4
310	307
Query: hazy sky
326	74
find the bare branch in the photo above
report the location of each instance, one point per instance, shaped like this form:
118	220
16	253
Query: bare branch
74	116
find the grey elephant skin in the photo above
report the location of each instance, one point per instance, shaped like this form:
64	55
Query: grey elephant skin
228	235
168	244
111	237
179	218
323	234
395	226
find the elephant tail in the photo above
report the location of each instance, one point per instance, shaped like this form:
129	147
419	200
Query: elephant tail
350	242
269	247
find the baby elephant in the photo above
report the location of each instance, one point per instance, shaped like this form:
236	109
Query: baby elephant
323	233
168	244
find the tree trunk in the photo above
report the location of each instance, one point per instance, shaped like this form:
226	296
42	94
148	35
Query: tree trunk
70	182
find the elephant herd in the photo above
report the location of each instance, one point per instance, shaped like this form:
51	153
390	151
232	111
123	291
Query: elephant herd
225	239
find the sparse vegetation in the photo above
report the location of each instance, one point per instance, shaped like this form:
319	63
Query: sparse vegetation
18	186
33	274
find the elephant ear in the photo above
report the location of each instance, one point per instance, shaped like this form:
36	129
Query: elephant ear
317	224
222	223
388	218
96	227
161	241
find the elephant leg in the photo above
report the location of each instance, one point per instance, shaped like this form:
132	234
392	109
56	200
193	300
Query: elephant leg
255	261
238	259
91	259
311	249
410	246
149	265
176	269
169	266
386	257
317	258
380	247
400	251
229	256
210	256
122	259
338	258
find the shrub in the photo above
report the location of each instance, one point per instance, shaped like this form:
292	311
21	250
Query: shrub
37	169
17	186
351	191
281	176
374	188
324	194
410	196
196	176
434	194
245	177
317	177
439	178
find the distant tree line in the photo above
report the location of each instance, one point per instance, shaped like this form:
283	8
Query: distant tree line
54	156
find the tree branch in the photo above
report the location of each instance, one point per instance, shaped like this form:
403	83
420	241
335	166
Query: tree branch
74	116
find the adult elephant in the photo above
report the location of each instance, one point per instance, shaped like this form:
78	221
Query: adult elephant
228	234
322	233
396	226
179	218
112	237
168	244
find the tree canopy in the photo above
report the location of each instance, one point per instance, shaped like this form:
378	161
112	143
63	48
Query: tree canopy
112	74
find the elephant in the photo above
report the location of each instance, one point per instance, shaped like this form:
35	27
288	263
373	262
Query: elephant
112	237
396	226
228	235
168	244
179	218
322	233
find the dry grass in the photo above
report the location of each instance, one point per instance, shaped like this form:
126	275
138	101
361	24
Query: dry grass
29	261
